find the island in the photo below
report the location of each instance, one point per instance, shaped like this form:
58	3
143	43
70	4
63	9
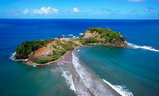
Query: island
44	52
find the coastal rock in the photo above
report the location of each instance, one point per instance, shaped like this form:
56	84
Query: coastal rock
18	56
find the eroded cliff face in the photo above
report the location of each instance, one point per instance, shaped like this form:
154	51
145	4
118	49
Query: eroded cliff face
56	47
87	35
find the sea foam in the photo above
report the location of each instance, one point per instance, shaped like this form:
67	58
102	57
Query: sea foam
142	47
67	75
70	34
13	54
80	34
91	82
120	89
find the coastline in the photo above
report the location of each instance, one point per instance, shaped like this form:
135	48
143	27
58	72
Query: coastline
109	44
30	63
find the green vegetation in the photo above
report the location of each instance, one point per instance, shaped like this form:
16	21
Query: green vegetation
109	35
73	39
48	60
66	46
57	53
54	46
91	41
26	47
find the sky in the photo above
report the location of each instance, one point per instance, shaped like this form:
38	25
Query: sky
79	9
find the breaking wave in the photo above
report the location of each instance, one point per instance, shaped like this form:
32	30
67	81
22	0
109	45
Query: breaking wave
80	34
142	47
70	34
13	54
67	75
120	89
92	83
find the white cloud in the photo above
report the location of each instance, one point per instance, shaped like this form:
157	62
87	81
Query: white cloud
25	11
45	10
55	10
136	0
75	10
36	11
146	10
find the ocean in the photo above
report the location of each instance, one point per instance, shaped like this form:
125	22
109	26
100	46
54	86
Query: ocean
90	70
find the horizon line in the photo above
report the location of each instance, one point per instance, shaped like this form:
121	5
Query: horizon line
82	18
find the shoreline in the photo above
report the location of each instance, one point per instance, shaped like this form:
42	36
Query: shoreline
30	63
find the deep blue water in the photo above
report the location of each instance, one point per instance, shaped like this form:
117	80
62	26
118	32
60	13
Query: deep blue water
135	67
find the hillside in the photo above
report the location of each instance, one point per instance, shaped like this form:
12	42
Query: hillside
99	36
43	51
50	51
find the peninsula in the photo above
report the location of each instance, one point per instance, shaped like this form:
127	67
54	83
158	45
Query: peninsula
43	52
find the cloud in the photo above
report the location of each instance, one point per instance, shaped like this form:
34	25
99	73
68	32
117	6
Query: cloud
146	10
36	11
43	10
55	10
25	11
136	0
75	10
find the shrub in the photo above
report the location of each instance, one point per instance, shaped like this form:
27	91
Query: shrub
54	46
73	39
63	52
91	31
83	41
54	52
42	61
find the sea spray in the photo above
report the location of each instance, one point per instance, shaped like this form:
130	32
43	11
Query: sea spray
121	90
130	45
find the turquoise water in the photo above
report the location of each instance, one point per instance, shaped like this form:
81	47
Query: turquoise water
100	70
21	80
135	70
